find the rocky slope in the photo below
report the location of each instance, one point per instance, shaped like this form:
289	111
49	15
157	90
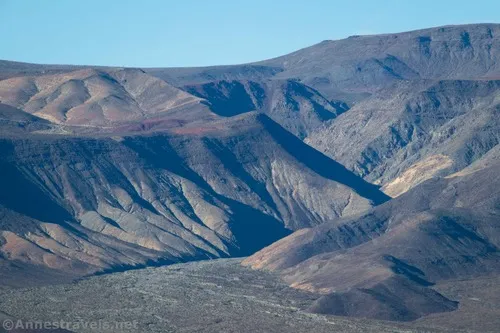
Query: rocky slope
405	128
360	65
384	263
80	204
298	108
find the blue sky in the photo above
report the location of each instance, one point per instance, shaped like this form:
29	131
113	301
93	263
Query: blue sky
154	33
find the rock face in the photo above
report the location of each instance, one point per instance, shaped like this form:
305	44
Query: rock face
412	124
383	263
83	204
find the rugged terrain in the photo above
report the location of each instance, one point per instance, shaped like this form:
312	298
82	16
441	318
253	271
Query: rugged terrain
296	158
384	263
228	188
395	136
353	68
414	98
207	296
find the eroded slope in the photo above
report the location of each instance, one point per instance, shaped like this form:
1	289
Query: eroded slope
80	204
383	263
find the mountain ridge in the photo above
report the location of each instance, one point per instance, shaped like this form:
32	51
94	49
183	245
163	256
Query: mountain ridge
361	170
163	196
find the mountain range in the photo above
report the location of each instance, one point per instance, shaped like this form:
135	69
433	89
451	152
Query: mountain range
364	170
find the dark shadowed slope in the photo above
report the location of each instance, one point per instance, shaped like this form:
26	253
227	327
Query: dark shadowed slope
383	263
17	122
321	164
229	188
298	108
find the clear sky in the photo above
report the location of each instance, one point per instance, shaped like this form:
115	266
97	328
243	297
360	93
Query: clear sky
154	33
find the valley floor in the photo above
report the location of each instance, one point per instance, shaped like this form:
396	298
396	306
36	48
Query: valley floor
206	296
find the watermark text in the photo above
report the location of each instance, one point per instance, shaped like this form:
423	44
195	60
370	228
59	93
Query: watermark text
9	325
